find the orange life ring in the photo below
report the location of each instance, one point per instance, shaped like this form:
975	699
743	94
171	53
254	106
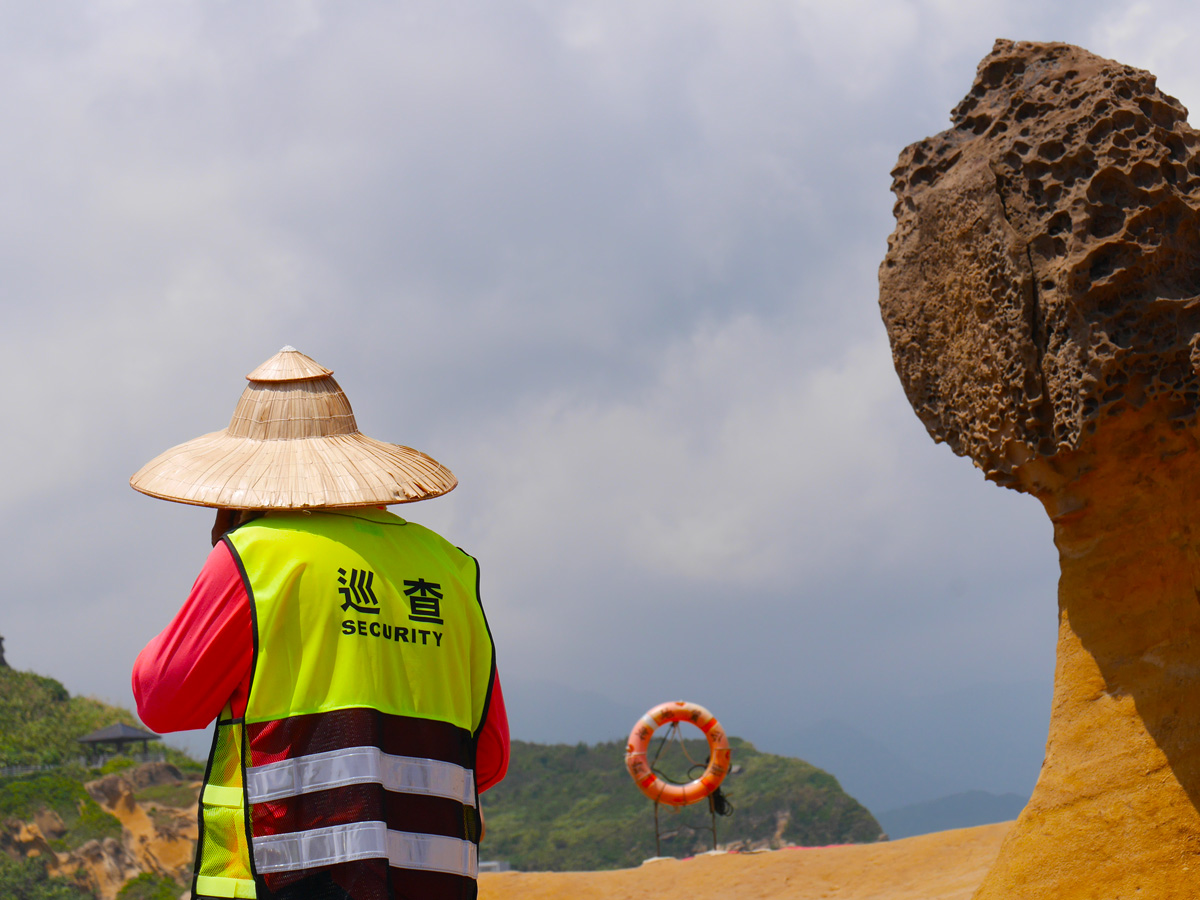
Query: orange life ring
677	794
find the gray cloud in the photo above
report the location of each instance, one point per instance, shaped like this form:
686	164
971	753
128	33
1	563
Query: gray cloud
614	263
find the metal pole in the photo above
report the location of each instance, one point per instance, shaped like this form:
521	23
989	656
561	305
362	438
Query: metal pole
712	815
657	839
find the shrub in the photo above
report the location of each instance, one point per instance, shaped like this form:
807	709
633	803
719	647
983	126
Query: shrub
117	764
27	880
23	795
21	798
149	887
93	823
179	796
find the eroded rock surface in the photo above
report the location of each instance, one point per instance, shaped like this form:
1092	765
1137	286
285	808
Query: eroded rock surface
156	837
1042	274
1041	295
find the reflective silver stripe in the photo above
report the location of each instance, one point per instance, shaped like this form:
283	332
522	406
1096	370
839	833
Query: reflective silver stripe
320	846
432	851
360	765
365	840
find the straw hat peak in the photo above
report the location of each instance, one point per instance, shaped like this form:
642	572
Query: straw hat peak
289	364
293	443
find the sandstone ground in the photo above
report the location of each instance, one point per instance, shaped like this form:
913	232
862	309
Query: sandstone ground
948	865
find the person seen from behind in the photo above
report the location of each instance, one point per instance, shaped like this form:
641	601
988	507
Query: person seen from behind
342	650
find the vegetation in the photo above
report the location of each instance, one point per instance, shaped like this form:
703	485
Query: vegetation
22	797
40	724
117	764
40	721
148	886
179	796
565	807
27	880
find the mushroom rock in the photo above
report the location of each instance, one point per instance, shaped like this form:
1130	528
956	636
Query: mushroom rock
1041	293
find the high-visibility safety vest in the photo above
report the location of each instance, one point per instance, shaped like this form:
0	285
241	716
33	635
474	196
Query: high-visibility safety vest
351	773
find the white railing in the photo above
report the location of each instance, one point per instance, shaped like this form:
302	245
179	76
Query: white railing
23	770
89	762
95	762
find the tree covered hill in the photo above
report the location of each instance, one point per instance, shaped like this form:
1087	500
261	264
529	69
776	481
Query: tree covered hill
566	807
40	721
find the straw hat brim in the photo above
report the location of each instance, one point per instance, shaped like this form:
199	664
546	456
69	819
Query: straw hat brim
221	470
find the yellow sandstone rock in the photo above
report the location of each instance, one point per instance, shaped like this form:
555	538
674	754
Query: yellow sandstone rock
1042	296
155	838
1114	812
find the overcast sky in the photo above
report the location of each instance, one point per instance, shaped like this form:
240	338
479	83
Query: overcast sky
611	261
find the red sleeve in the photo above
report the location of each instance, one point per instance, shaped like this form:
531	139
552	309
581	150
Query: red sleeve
183	677
491	756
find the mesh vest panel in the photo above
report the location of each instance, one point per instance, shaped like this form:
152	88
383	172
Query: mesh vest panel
373	666
223	850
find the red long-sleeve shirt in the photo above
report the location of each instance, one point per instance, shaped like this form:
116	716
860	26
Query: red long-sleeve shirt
184	676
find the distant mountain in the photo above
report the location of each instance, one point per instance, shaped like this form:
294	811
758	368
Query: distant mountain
903	750
956	811
565	807
873	774
989	737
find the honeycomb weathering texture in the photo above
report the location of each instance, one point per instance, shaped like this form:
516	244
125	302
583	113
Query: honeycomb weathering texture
1040	295
1045	268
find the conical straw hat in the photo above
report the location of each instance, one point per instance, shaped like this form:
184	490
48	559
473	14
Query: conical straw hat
292	444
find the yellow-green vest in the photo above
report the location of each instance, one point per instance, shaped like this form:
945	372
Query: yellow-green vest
353	767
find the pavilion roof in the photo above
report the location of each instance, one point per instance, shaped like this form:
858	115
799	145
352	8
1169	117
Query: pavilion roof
118	733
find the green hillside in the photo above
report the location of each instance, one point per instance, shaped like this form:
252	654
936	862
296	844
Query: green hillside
39	720
565	808
561	807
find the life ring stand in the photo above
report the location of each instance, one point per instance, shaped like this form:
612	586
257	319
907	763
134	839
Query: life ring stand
663	791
